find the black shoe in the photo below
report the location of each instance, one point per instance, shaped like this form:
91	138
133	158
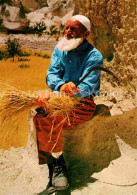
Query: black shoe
59	179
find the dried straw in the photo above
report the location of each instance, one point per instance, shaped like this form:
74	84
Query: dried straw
61	105
14	105
15	102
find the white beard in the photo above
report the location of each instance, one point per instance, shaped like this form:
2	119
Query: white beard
68	45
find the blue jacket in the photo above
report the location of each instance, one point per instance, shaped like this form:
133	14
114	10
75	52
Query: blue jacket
72	66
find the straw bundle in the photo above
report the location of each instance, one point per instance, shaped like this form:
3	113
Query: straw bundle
61	105
15	102
14	106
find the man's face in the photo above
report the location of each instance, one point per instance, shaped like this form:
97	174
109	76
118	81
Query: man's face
75	33
73	29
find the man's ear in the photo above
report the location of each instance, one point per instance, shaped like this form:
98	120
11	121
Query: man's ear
86	34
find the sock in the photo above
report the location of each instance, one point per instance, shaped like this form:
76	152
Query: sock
56	154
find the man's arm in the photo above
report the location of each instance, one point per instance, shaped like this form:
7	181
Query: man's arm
54	74
53	80
91	84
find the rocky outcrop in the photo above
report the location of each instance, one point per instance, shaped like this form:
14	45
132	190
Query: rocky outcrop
11	17
52	13
31	4
113	32
57	13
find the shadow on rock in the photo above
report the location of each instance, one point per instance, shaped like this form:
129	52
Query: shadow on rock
88	148
91	146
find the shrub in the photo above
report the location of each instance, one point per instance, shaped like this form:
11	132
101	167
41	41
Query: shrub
53	30
46	56
21	54
4	55
1	55
61	29
41	55
13	47
24	66
23	59
2	2
37	28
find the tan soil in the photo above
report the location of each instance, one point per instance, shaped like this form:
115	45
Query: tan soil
88	148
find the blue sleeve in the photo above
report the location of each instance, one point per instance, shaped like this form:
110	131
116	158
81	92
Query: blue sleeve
91	84
54	74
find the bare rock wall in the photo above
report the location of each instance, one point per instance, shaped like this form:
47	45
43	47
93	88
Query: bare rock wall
114	33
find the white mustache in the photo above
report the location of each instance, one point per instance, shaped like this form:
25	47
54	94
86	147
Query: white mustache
72	36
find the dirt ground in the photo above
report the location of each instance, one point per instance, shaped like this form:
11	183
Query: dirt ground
89	149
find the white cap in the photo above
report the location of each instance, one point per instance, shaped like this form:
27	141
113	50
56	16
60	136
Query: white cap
83	20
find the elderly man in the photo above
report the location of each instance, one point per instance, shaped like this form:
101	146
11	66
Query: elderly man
72	58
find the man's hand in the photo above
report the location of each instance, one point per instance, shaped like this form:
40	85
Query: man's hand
41	99
69	88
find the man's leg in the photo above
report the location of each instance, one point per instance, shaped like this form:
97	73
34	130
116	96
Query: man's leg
49	134
50	188
50	150
59	178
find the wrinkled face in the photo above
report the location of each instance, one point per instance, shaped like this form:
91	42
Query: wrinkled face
74	29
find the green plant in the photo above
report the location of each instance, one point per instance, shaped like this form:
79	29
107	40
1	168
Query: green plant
1	56
13	47
38	54
37	28
41	55
24	66
23	59
9	2
53	30
46	56
4	55
21	54
61	29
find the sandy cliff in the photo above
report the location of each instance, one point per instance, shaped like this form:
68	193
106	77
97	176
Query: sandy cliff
113	32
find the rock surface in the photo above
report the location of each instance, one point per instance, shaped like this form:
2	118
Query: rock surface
11	18
43	43
52	13
57	13
114	33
